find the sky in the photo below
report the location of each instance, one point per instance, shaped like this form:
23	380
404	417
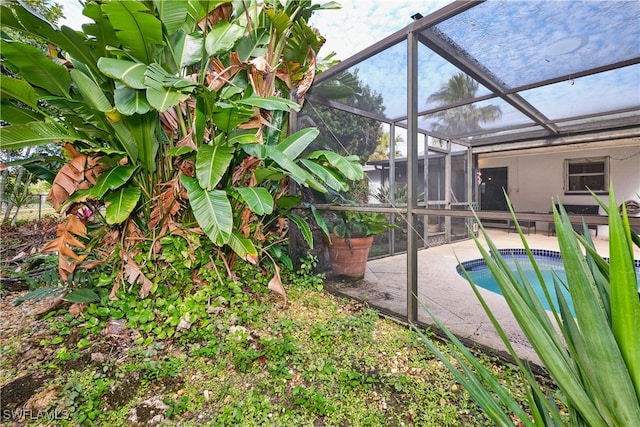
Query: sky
354	27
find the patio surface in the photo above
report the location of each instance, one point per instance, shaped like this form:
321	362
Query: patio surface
447	294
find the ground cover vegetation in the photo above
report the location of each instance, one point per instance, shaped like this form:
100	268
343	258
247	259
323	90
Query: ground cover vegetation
219	352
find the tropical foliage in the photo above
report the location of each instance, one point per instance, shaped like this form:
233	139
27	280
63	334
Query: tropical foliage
174	119
594	357
344	132
17	171
466	118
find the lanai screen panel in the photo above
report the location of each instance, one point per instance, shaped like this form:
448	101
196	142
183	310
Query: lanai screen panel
551	69
526	42
549	60
493	75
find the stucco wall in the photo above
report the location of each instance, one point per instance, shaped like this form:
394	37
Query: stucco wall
537	177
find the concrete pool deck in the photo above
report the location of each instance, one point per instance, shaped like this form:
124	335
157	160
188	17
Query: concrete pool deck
447	294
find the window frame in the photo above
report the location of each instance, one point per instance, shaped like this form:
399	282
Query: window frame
586	160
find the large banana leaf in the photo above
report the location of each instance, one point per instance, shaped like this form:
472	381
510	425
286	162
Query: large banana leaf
129	72
162	99
187	48
14	115
143	130
139	32
295	144
90	91
35	133
36	68
157	77
121	203
164	90
19	90
211	209
279	19
222	37
348	166
243	247
171	13
270	103
228	116
258	199
212	163
253	46
301	176
326	175
130	101
101	30
304	228
112	179
74	43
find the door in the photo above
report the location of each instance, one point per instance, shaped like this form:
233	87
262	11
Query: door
491	189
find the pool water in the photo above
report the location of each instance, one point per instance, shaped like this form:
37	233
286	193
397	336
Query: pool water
550	265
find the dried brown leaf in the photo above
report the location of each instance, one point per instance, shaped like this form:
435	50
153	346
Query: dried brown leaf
64	243
307	80
67	181
76	309
275	285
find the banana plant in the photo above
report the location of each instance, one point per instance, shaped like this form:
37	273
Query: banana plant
594	359
173	112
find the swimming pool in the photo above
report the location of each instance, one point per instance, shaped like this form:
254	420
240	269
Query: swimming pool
549	263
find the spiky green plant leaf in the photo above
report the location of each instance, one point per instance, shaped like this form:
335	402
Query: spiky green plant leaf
625	305
82	296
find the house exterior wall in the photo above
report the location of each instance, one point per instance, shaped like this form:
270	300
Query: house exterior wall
536	177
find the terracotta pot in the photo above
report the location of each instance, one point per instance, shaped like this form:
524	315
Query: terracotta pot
349	256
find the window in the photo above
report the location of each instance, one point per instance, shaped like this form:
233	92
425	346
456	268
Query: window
582	175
